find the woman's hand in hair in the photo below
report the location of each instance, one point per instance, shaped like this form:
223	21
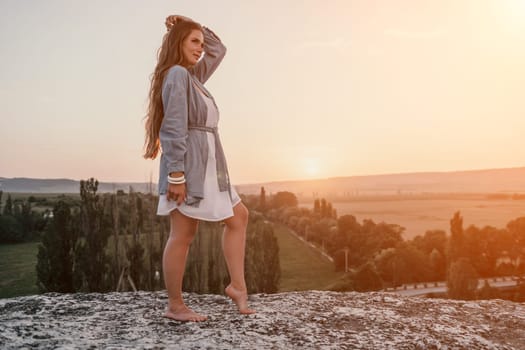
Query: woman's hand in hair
172	19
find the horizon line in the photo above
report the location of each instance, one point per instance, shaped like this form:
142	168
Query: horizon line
287	180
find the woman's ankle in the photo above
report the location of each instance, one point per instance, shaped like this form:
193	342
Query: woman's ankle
176	302
238	287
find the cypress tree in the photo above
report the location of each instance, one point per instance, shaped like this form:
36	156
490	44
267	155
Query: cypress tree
263	270
323	208
262	200
317	206
95	229
462	282
135	252
8	207
55	253
455	247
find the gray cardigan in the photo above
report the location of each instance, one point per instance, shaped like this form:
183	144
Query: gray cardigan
183	137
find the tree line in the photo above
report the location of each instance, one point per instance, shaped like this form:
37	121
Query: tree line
375	255
19	222
115	241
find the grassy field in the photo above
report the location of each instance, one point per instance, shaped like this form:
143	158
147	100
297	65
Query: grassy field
17	269
420	215
302	267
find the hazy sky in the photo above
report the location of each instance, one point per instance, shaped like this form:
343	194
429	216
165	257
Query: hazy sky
307	89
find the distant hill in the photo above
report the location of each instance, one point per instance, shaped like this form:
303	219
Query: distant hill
509	180
27	185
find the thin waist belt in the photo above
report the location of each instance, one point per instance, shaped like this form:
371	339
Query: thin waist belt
223	178
204	128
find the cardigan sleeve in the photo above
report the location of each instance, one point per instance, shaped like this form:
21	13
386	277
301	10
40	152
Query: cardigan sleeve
214	52
174	127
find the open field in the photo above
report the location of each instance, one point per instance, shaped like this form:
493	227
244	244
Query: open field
420	215
302	268
18	269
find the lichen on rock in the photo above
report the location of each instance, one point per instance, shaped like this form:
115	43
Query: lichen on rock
293	320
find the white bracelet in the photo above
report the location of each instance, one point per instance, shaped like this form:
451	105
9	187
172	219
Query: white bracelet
177	183
176	180
180	178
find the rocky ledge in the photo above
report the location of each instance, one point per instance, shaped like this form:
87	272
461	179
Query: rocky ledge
295	320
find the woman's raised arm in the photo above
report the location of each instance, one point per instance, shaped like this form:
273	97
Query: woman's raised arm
214	50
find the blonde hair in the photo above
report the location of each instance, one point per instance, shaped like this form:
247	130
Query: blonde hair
168	55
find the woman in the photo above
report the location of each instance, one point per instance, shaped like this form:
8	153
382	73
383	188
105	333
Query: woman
193	178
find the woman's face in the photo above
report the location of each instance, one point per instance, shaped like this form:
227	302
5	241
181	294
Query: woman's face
192	47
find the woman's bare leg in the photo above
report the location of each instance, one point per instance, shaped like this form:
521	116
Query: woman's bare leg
182	231
233	244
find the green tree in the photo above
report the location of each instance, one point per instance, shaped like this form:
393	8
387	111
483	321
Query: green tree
135	252
262	200
387	267
284	199
347	223
323	208
263	270
27	221
329	210
317	206
462	282
438	265
10	230
456	245
516	240
55	253
403	264
483	247
366	278
206	270
115	220
95	229
432	239
8	206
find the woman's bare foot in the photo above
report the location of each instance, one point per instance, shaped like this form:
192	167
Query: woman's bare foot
240	298
184	314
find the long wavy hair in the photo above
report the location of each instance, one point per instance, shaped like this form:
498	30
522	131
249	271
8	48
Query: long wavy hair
168	55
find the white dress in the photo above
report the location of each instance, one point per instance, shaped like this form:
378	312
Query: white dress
216	205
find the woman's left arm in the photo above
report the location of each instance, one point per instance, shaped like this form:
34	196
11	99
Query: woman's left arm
214	52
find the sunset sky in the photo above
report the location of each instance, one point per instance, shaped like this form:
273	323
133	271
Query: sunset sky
308	89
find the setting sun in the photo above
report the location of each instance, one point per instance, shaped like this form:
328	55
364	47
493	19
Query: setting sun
311	166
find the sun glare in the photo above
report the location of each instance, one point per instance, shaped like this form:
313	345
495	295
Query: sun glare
514	14
311	167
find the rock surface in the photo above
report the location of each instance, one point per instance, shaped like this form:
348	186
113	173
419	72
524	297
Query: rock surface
294	320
